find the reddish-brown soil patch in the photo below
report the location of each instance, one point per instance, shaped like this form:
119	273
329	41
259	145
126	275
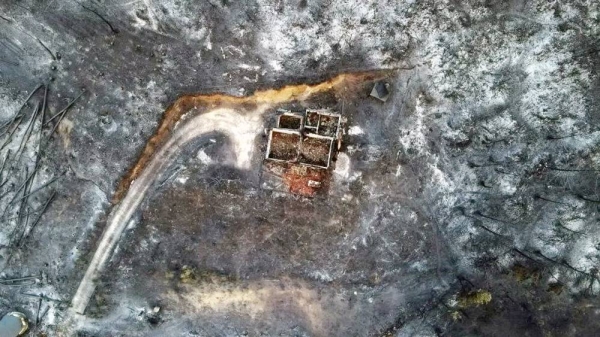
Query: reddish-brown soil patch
304	180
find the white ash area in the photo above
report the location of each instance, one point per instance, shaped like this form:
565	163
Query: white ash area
509	101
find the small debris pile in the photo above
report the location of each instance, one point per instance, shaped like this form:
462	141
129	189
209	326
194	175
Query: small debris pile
284	145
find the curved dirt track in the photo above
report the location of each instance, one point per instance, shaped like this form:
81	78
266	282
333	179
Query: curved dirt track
241	133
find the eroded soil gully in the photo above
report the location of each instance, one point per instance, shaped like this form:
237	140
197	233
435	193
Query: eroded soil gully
239	118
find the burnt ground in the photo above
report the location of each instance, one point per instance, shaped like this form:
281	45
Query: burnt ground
469	204
220	229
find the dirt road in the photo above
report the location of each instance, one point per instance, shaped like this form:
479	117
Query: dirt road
241	130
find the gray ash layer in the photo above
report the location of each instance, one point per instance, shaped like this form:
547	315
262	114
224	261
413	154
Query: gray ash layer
466	204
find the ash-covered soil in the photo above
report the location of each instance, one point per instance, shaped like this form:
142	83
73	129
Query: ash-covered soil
466	205
336	262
